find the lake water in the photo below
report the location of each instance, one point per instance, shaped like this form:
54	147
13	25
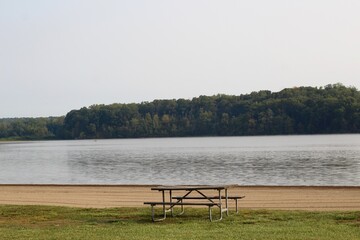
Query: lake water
317	160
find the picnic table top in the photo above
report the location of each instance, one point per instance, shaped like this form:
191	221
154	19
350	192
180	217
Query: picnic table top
193	187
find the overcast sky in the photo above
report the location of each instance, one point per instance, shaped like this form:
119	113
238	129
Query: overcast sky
56	56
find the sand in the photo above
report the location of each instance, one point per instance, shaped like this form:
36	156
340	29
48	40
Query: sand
257	197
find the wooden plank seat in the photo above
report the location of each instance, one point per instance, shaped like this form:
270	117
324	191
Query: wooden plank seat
236	198
179	203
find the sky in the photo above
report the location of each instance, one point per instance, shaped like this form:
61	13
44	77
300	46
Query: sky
60	55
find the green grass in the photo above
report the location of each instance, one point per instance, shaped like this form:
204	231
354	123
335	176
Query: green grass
42	222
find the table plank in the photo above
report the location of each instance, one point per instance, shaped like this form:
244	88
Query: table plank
192	187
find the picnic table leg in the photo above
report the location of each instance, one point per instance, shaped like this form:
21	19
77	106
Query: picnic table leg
164	209
182	208
220	203
171	209
181	201
153	214
236	205
163	199
226	202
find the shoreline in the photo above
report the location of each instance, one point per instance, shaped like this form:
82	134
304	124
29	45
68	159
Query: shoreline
313	198
155	185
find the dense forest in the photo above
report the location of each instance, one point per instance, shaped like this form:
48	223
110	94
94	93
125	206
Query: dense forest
31	128
301	110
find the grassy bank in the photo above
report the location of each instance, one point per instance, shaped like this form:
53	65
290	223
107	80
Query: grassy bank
42	222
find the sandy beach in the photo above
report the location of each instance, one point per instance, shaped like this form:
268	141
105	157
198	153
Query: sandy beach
257	197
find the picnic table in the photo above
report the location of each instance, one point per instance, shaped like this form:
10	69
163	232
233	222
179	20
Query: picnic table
202	198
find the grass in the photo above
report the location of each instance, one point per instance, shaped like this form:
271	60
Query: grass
44	222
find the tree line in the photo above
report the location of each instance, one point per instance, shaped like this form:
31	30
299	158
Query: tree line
333	108
31	128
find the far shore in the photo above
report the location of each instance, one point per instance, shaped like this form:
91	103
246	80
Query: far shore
314	198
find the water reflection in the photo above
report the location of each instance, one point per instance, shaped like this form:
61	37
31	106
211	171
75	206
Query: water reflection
280	160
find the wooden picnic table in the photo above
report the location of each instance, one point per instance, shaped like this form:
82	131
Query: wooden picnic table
202	196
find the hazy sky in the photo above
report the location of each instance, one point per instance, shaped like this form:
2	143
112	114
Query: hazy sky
60	55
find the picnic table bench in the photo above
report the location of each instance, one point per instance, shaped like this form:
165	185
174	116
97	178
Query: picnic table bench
235	198
210	201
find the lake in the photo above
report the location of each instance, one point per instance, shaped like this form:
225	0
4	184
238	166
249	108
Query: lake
311	160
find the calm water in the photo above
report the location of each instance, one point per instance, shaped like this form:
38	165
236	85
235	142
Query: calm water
276	160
